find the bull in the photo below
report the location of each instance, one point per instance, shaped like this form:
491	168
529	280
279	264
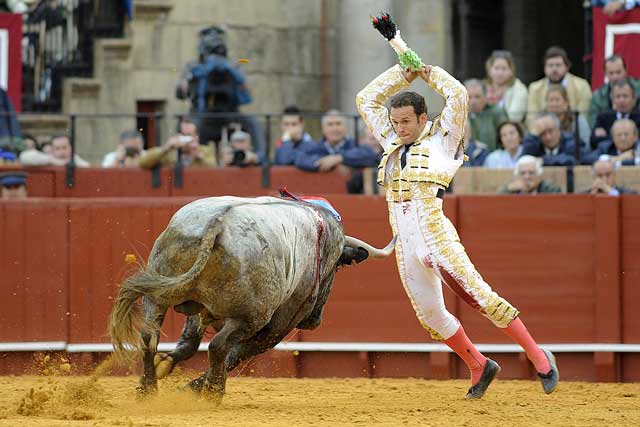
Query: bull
252	269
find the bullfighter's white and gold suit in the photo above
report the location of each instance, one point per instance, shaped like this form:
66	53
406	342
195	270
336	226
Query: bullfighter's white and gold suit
427	241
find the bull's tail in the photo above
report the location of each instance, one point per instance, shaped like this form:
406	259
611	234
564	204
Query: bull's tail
126	325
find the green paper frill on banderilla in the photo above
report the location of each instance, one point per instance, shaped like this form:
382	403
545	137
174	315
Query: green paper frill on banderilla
410	60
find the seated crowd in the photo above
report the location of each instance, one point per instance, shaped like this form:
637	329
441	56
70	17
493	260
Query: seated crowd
556	121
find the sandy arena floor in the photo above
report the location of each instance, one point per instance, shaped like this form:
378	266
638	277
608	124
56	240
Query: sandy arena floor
56	400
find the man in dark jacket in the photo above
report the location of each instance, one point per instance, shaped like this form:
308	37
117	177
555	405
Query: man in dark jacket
623	98
604	178
334	149
550	144
10	135
293	137
622	148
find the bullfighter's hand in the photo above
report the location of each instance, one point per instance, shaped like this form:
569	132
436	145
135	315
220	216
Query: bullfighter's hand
409	75
425	72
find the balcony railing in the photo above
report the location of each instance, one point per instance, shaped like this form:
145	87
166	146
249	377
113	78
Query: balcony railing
58	42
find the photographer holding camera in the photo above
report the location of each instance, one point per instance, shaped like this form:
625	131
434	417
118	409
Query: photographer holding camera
128	152
184	145
214	84
239	152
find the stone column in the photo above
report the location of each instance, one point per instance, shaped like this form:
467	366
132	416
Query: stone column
363	54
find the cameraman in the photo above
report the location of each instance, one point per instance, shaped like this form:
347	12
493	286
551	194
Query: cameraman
128	152
214	85
239	152
184	145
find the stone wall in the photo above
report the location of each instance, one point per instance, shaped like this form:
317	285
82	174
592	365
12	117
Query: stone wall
313	53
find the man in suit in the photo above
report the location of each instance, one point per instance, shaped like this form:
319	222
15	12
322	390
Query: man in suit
335	149
604	178
556	70
621	147
614	69
549	143
623	99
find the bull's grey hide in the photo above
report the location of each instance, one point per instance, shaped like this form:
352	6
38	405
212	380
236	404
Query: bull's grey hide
253	269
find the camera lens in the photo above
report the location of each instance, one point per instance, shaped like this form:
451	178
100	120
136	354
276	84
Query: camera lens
238	157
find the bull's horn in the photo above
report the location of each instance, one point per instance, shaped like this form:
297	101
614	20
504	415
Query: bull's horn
373	252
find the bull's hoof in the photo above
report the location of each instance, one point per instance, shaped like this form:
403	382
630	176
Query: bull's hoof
145	390
164	365
197	384
213	393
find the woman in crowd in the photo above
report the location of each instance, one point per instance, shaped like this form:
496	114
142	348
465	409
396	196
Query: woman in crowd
509	140
557	102
503	87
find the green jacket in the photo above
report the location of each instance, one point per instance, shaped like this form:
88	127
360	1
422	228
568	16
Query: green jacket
484	124
601	100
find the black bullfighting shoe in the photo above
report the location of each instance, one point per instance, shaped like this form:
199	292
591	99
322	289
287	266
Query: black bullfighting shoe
489	372
550	379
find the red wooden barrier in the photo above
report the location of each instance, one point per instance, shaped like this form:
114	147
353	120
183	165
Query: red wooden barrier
40	181
219	182
98	182
630	278
318	183
34	271
568	262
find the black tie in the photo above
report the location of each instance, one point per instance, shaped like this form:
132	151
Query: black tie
403	156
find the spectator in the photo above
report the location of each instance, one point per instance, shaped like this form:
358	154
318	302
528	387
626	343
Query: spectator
476	151
615	69
510	136
484	117
9	127
59	155
240	151
185	145
7	157
29	142
504	89
13	185
367	139
621	148
334	149
45	147
528	178
128	152
358	184
604	178
18	6
623	98
610	7
549	143
556	70
293	136
557	102
215	85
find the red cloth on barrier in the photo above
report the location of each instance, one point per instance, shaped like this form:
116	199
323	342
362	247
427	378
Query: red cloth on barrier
619	34
11	57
